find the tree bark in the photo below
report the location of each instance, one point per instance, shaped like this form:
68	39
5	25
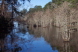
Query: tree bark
2	7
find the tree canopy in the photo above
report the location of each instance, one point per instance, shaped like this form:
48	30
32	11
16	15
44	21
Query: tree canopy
51	5
48	6
23	12
35	9
11	4
60	1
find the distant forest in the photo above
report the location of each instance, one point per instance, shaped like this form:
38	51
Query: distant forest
50	5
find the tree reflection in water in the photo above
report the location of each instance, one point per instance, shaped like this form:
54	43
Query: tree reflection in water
54	35
6	27
37	39
16	40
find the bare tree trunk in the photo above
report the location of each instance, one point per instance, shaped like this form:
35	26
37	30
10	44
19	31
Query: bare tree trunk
12	11
2	7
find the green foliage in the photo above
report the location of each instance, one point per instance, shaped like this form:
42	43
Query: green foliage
74	1
48	6
24	11
12	5
38	8
31	10
58	2
72	5
35	9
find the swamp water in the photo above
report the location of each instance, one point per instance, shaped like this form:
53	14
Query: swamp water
38	39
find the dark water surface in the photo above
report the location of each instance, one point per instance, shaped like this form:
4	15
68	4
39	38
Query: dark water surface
39	39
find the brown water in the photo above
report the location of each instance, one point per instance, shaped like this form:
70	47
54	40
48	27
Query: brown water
38	39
